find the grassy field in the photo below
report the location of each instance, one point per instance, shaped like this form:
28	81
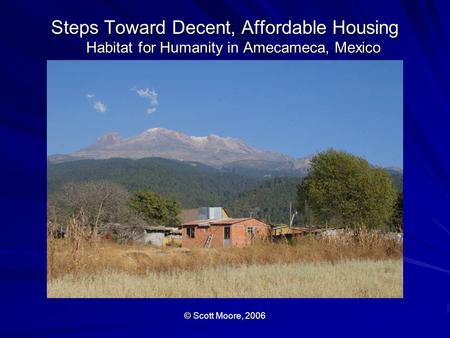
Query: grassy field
312	267
348	279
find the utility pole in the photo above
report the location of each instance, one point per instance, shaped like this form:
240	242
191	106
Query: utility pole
291	215
290	212
306	212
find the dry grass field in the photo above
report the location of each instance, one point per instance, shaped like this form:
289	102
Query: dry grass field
347	279
367	266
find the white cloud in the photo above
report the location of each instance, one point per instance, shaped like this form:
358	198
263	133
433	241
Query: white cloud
100	106
149	94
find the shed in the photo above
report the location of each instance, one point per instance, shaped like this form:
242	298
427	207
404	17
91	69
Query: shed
161	236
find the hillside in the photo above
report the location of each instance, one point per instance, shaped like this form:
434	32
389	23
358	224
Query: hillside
193	184
242	192
269	201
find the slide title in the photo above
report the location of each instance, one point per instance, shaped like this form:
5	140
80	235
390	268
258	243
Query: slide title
111	27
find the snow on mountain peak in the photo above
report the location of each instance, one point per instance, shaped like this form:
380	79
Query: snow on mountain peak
161	142
199	139
108	139
160	130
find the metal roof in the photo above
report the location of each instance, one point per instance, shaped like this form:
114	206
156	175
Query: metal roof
224	221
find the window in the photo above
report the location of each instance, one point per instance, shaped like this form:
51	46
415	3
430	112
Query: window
250	232
226	233
190	232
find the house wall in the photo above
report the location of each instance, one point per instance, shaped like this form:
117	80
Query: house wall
239	235
201	234
212	213
154	238
217	241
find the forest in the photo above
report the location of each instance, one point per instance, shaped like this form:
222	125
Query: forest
191	184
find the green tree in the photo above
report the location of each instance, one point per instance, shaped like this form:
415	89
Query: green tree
173	209
154	208
344	190
397	216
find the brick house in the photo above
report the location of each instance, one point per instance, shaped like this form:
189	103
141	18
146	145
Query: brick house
226	232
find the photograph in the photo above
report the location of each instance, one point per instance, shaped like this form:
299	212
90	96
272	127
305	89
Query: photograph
224	179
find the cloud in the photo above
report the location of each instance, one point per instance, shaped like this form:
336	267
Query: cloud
100	106
149	94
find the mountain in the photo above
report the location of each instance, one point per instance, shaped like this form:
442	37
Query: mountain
221	152
197	171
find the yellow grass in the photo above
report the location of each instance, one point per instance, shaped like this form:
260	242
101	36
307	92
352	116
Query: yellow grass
346	278
140	259
366	265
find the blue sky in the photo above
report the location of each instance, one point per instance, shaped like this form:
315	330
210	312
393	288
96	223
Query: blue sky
293	107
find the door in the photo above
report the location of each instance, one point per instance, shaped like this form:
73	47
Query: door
226	237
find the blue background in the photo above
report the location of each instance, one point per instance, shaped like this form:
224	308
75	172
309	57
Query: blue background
26	44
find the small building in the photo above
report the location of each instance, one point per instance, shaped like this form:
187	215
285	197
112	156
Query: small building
286	232
223	232
153	235
202	213
161	236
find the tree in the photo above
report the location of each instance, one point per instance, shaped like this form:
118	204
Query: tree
154	208
397	216
344	190
101	201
